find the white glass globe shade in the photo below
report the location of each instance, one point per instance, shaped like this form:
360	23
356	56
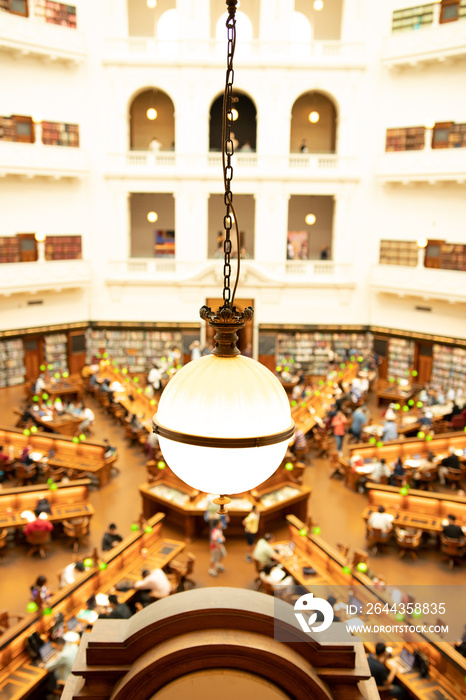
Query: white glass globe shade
224	397
314	117
151	113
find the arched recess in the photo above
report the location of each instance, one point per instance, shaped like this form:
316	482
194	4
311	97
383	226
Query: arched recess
313	123
143	129
247	24
244	127
300	34
168	26
143	19
244	31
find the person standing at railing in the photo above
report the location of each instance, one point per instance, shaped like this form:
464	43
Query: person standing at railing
155	145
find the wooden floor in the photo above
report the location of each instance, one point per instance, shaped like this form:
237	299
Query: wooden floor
336	510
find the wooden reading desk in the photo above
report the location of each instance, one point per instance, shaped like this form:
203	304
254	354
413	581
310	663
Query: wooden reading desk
396	393
63	389
447	666
19	677
274	499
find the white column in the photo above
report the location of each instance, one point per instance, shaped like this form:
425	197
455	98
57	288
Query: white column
190	224
117	26
40	251
271	226
436	18
38	133
342	239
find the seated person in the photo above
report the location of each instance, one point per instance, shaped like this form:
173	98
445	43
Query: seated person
263	552
381	469
60	665
460	645
273	574
426	466
135	423
40	524
450	462
452	530
300	442
68	575
398	470
40	593
390	430
87	416
111	538
426	418
119	611
109	449
383	677
380	520
154	584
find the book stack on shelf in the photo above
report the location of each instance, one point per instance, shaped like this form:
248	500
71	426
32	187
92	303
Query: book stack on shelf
12	369
449	367
310	350
56	352
55	13
9	249
7	129
400	358
453	256
405	139
59	134
63	248
398	253
132	349
457	135
412	17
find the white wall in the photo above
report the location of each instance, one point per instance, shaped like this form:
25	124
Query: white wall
97	93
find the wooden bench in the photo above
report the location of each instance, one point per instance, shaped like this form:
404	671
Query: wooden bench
67	501
421	510
447	667
84	457
144	549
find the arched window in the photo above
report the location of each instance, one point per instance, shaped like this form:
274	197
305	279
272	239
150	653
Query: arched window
313	124
168	28
243	126
244	29
152	121
300	34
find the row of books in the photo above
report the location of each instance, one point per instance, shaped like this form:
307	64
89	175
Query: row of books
449	367
400	357
56	351
136	349
12	370
55	13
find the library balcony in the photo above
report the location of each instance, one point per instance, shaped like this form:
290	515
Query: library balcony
32	36
299	273
41	276
435	43
431	166
38	160
297	166
139	51
419	282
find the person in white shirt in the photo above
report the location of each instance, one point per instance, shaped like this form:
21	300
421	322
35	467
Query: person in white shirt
195	348
380	520
88	417
264	553
68	575
155	144
155	583
380	470
61	665
274	575
154	378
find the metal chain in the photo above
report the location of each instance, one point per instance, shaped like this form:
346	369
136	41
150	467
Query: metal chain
227	153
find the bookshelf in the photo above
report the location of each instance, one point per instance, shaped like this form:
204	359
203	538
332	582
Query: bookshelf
10	251
17	128
56	352
16	7
412	17
12	369
60	134
453	256
129	348
310	350
400	358
63	248
457	135
55	13
409	138
449	367
398	253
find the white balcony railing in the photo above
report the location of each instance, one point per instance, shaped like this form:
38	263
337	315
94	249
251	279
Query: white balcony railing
51	275
298	165
440	164
139	50
421	282
205	272
31	36
38	160
432	43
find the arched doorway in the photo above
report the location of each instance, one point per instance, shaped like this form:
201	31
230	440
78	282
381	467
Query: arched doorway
313	124
243	124
152	116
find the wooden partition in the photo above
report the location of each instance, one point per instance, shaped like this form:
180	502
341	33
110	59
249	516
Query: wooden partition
84	457
144	548
410	446
447	666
